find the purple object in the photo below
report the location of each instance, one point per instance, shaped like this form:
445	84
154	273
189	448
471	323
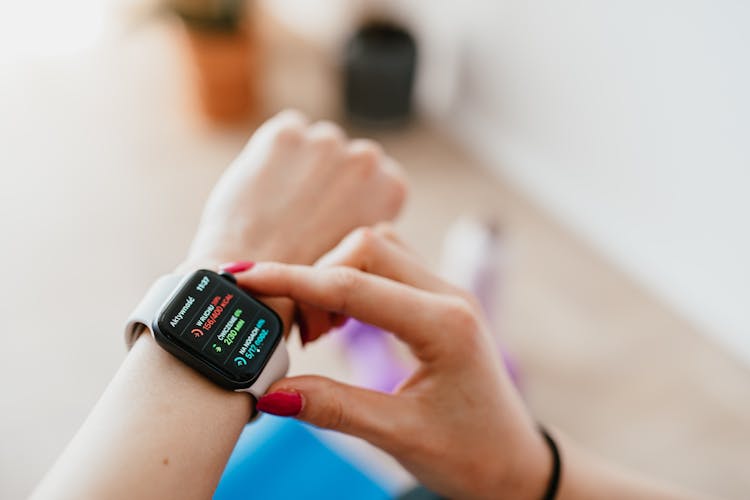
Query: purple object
374	362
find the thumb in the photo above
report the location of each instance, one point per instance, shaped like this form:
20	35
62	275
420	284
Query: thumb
370	415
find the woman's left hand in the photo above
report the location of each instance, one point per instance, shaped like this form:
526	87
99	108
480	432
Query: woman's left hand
294	191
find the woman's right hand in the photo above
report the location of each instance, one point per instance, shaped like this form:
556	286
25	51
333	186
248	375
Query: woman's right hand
457	422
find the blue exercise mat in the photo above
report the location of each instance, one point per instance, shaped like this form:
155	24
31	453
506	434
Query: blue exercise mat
280	458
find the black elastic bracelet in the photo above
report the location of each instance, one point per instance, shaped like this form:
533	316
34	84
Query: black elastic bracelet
554	479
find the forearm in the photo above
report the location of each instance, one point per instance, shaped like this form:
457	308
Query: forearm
160	430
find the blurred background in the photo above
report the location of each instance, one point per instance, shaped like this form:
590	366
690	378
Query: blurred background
607	141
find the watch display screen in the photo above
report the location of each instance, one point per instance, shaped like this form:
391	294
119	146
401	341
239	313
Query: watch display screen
220	324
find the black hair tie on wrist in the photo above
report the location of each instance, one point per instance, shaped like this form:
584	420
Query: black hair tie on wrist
554	479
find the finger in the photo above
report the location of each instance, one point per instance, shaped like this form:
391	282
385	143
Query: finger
372	251
332	405
420	318
313	322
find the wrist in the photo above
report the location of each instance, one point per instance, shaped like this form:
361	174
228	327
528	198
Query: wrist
528	477
165	360
256	243
169	375
193	264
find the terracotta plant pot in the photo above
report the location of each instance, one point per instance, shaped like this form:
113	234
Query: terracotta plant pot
225	68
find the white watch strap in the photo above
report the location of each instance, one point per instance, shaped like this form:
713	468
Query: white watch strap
275	368
145	312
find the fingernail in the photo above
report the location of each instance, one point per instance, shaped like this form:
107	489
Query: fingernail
283	404
237	267
304	332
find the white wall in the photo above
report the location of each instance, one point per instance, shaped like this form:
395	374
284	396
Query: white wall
629	121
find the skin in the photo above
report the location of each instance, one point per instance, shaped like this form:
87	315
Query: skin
161	430
457	423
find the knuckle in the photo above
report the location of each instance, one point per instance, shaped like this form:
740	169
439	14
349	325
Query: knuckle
345	281
290	115
385	230
356	250
461	316
288	134
364	240
366	155
400	190
335	417
365	149
325	136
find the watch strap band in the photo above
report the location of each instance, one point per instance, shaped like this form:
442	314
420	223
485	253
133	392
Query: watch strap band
276	368
148	308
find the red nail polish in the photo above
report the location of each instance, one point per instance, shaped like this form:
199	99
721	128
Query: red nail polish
283	404
237	267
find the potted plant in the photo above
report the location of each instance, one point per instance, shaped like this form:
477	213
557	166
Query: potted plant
223	52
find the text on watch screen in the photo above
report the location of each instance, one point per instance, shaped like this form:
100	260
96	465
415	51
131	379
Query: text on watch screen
222	325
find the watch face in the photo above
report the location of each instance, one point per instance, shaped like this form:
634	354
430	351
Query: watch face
227	334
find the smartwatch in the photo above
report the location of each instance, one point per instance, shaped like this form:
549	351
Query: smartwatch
212	325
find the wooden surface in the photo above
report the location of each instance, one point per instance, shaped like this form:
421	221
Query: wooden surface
105	168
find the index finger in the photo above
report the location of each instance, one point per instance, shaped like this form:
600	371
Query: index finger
413	315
